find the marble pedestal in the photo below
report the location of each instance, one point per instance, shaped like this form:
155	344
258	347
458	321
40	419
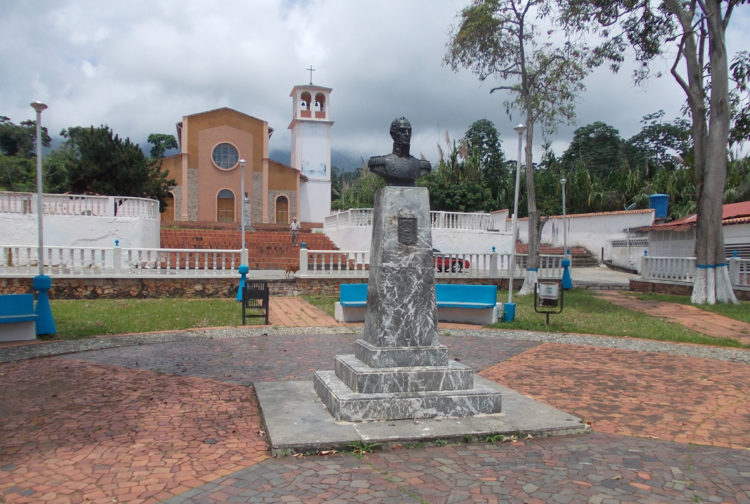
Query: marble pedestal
399	370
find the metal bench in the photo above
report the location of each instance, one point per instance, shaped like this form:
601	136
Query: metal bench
473	304
17	317
255	301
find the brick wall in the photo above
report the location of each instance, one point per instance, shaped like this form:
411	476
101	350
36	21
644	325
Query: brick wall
94	288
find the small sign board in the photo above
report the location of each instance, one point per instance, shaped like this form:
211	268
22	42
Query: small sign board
549	293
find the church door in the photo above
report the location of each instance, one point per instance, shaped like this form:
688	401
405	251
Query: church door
225	206
168	214
282	210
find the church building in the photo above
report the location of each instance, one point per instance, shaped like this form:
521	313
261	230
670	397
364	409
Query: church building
209	168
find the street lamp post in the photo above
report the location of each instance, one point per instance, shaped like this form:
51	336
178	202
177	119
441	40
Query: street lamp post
520	130
565	227
39	107
45	323
243	253
567	281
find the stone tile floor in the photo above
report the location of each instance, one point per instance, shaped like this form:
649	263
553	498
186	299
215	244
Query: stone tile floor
178	422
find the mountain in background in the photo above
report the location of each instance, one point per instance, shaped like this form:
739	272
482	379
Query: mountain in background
345	161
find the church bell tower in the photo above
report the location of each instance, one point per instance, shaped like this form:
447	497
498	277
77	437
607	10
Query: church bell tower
311	149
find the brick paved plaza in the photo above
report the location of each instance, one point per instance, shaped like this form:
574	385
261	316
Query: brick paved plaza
178	422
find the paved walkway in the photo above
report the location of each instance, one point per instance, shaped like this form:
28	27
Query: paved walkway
710	324
177	421
293	311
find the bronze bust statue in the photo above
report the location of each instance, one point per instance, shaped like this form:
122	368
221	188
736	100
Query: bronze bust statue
399	168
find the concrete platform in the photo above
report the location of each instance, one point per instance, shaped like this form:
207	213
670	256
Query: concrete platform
297	421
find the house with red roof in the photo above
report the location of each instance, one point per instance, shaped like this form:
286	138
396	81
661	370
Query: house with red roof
677	238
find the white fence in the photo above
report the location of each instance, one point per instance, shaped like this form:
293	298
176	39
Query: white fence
75	204
116	261
682	269
356	263
362	217
123	262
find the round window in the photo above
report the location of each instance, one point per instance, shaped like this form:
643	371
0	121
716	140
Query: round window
225	155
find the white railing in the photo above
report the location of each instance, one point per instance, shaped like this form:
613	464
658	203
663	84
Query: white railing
116	261
76	204
123	262
320	263
354	217
739	272
362	217
682	269
461	221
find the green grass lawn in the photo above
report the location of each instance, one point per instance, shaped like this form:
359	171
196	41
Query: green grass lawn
82	318
582	313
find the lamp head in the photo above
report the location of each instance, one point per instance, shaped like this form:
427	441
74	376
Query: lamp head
562	181
520	128
242	163
38	106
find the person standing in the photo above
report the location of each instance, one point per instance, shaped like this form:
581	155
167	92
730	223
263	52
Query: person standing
294	228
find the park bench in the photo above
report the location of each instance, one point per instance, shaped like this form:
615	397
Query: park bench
472	304
255	301
17	317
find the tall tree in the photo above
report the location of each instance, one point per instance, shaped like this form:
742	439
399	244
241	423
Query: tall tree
96	161
161	143
17	153
694	30
482	140
501	39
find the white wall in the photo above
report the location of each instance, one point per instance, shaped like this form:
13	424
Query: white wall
737	234
445	240
79	230
315	201
671	243
591	231
682	243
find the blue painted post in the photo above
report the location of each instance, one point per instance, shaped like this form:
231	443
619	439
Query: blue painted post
45	324
243	269
567	282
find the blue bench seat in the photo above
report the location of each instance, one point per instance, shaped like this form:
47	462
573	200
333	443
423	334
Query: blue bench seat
475	304
17	317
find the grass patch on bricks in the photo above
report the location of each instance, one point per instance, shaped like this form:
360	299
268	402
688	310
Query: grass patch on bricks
83	318
325	303
739	311
584	313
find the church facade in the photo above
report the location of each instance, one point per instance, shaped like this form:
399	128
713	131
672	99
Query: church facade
210	173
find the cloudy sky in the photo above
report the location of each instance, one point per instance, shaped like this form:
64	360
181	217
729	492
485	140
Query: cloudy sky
140	65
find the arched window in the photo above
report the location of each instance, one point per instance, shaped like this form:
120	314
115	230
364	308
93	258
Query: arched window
320	102
282	210
225	206
306	99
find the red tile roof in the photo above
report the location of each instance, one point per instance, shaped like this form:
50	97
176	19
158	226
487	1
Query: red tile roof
732	213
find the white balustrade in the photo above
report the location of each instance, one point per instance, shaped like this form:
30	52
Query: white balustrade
76	204
362	217
116	261
318	263
670	269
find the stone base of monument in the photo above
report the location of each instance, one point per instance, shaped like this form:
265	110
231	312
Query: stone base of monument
357	392
297	421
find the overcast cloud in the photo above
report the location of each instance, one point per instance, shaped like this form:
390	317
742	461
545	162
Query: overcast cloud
140	66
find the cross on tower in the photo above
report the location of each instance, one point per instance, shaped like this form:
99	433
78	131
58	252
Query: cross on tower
311	70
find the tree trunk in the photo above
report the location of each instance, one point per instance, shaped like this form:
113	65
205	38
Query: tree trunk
532	265
712	282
